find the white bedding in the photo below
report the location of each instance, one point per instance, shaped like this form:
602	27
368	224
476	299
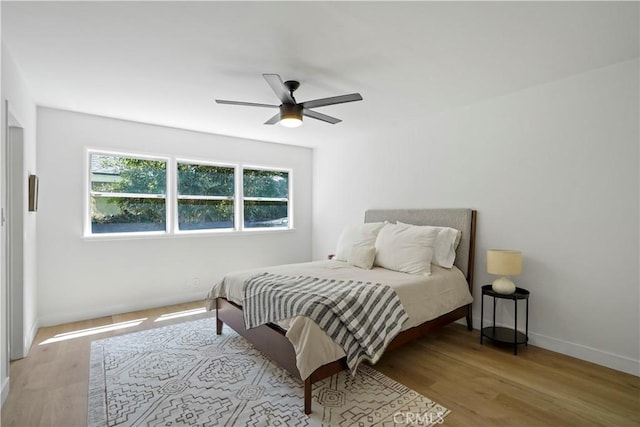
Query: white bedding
423	297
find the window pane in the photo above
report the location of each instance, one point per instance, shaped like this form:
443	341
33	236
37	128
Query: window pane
205	214
127	214
261	183
265	214
205	180
115	174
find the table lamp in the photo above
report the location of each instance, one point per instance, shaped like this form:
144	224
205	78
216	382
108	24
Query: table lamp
504	263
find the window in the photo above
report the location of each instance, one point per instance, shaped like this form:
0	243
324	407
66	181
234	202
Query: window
266	198
131	193
205	196
127	194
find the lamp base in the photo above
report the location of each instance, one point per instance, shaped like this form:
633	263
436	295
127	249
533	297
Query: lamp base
503	286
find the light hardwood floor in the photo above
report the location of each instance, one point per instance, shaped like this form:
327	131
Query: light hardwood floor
481	385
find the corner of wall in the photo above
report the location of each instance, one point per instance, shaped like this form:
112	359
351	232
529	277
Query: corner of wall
30	337
5	391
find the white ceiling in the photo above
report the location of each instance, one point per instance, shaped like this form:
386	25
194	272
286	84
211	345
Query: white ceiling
165	62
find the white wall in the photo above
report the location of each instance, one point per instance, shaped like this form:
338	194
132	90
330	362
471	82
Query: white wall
23	109
82	278
552	171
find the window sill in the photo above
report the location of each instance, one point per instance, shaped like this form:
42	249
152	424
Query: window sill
184	234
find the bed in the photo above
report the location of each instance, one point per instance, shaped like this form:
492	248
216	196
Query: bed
299	346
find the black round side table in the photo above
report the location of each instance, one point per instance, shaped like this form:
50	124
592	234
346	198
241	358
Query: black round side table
501	334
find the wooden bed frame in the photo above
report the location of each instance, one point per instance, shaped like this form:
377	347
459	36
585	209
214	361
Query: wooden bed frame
270	339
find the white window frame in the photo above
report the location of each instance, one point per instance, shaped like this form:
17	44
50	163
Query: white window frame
175	222
171	197
89	193
289	198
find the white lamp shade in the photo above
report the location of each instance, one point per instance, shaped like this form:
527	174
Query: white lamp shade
504	262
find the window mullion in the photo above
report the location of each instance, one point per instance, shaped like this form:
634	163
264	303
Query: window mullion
290	198
239	202
196	197
127	195
266	199
172	204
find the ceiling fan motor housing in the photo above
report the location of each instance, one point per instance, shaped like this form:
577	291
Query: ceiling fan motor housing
291	111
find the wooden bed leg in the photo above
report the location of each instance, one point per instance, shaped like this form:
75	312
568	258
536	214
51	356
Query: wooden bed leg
307	395
469	320
218	326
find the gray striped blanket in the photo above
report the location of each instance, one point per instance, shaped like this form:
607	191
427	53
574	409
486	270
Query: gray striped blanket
361	317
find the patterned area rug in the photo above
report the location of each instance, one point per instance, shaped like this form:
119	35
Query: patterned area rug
186	375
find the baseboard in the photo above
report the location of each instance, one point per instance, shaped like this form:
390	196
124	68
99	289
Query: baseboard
579	351
94	313
590	354
5	391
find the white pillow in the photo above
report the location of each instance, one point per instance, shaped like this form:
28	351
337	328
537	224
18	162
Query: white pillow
447	241
362	256
404	248
362	234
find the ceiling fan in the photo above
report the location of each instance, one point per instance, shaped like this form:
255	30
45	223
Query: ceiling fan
291	111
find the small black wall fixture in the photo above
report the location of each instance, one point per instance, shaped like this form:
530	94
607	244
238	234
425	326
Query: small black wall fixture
33	193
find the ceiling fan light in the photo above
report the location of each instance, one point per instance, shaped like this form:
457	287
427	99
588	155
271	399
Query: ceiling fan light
290	115
291	122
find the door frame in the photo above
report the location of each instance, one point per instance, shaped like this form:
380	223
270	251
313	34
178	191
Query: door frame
14	248
13	221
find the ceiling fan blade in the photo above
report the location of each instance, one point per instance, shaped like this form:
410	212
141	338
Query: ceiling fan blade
248	104
273	120
320	116
279	88
331	101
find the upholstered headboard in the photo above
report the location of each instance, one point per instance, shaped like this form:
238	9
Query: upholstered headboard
460	219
